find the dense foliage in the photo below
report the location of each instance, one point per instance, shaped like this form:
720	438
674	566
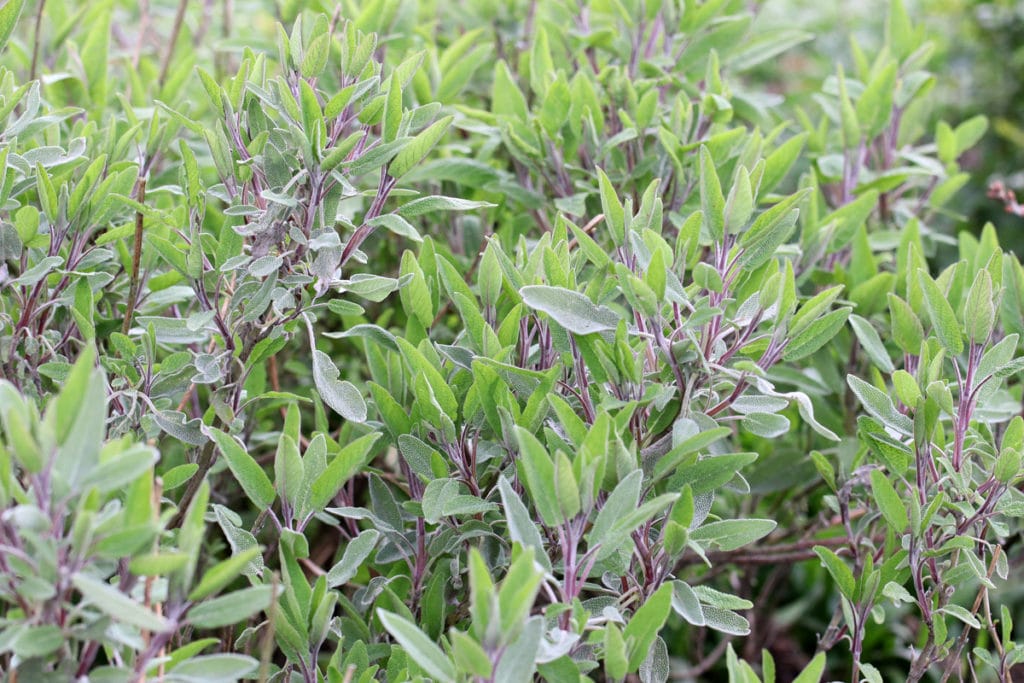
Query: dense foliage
492	341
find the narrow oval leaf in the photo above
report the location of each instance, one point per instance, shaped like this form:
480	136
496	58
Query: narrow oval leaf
341	396
420	648
122	608
572	310
251	477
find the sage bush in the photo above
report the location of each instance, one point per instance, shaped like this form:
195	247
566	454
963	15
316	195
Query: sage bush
495	342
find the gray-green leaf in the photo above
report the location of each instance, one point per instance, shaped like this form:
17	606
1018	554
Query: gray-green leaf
341	396
357	550
572	310
118	605
420	648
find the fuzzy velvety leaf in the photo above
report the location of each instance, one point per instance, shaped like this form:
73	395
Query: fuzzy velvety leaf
766	425
397	225
341	396
572	310
725	621
232	608
253	480
686	603
816	335
872	343
356	552
643	628
418	148
730	534
539	472
221	574
341	468
841	573
418	646
418	207
122	608
521	528
879	404
620	502
712	201
944	322
219	668
888	501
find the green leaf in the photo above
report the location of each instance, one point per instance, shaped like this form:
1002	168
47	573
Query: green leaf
871	343
780	161
840	572
122	470
848	115
521	528
343	467
418	148
392	109
962	614
518	591
506	98
623	499
944	322
879	404
740	204
288	471
712	201
572	310
970	132
251	477
888	501
725	621
614	214
470	658
705	475
643	628
814	670
539	473
221	574
157	564
219	668
616	663
554	109
980	308
122	608
730	534
233	608
848	219
907	331
418	646
356	552
565	485
36	641
9	14
686	603
343	397
423	205
874	106
816	335
769	231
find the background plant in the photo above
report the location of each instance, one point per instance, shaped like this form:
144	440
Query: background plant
496	351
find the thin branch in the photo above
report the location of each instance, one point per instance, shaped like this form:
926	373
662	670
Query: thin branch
179	19
35	40
133	291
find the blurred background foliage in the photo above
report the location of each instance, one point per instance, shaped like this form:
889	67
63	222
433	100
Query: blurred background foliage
978	58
